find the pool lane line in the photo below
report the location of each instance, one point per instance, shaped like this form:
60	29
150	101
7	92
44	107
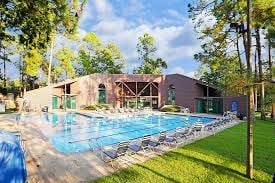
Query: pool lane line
79	125
121	127
89	131
110	123
123	132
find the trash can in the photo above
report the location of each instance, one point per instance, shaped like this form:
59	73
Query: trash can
45	109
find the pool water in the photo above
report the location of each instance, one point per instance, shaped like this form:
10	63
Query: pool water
71	132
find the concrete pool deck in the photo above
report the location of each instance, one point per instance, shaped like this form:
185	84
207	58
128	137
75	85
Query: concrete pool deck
46	164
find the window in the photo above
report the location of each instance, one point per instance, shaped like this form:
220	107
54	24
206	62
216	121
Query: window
171	95
101	94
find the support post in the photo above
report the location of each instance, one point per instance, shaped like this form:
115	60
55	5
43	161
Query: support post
251	108
207	96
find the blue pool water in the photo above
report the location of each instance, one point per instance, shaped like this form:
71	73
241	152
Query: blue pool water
71	132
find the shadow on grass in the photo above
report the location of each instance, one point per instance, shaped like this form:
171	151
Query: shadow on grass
219	169
169	179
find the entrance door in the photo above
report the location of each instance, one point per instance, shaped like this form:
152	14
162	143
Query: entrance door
73	102
201	106
54	102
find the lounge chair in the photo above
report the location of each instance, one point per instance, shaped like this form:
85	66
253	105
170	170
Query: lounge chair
114	154
143	146
165	139
161	140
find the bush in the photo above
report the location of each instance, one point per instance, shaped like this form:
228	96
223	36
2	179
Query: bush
97	106
90	107
170	108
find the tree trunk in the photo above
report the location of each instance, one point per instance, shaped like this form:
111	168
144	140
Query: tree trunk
259	51
273	111
5	70
245	44
50	62
250	116
269	60
256	79
239	55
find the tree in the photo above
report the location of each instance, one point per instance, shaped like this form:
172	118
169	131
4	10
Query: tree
146	50
33	24
219	41
65	56
95	57
32	60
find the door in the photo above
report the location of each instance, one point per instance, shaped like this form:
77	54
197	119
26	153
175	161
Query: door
73	102
54	102
201	107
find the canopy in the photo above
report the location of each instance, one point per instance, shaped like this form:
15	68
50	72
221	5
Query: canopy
12	159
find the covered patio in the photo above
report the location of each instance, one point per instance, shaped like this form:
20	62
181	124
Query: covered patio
137	94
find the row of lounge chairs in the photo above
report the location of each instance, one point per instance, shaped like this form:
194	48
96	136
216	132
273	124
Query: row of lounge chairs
149	144
122	112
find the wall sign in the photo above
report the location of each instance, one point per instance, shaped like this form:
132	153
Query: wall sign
234	106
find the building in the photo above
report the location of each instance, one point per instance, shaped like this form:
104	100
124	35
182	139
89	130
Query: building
135	91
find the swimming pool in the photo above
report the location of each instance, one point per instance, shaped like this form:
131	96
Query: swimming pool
72	132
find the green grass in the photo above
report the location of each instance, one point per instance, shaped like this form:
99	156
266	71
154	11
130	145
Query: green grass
219	158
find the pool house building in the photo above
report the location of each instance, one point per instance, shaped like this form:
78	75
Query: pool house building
135	91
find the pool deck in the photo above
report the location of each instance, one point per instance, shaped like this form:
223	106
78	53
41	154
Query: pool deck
45	164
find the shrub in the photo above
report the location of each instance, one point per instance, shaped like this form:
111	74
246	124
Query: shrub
170	108
97	106
90	107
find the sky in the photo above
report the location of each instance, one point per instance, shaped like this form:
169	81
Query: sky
123	21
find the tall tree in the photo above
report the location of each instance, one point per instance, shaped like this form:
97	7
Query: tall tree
251	108
146	50
65	56
34	23
96	57
219	42
70	22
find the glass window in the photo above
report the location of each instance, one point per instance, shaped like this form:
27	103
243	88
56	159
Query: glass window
171	95
101	94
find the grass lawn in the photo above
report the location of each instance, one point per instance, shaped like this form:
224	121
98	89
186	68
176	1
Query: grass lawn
219	158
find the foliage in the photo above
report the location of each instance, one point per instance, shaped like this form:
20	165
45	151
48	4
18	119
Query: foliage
170	108
146	50
208	160
225	75
34	22
65	56
32	61
95	57
97	106
269	96
220	25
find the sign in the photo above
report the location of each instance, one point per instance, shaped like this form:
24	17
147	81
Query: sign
2	108
234	106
